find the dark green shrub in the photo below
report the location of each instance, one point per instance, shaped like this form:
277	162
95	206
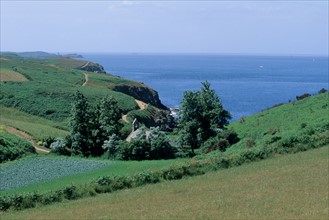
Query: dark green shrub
13	147
5	203
323	90
223	140
48	141
249	142
273	140
146	178
121	182
303	125
173	173
104	181
160	148
71	192
230	135
52	197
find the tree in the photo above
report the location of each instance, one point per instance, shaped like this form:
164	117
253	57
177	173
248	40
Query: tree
104	123
79	125
201	117
160	148
111	145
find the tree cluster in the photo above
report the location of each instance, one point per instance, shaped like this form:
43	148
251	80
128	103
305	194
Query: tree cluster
90	126
148	145
202	116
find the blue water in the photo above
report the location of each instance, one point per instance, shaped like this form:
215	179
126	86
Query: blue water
245	84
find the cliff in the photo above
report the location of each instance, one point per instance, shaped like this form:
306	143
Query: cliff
92	67
142	93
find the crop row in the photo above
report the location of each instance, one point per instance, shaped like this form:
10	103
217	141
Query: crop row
36	170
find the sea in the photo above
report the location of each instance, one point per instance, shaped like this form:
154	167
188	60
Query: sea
246	84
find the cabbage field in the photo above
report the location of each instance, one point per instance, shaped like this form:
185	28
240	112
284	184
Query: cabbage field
41	169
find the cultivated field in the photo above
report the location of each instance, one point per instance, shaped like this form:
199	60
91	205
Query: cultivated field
289	187
44	173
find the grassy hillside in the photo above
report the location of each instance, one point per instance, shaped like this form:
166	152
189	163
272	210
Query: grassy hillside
307	117
13	147
36	94
49	89
290	187
39	128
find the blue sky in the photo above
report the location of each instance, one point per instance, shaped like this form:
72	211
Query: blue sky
226	27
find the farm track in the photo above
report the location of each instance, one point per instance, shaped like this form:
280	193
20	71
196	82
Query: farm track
27	137
141	105
86	64
86	79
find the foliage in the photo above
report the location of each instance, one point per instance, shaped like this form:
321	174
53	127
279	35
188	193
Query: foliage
103	123
13	147
148	145
108	184
111	145
50	89
40	169
299	119
247	196
201	116
223	140
79	125
37	127
60	147
90	127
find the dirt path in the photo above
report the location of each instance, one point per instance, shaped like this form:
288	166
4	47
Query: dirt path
141	105
86	64
27	137
86	79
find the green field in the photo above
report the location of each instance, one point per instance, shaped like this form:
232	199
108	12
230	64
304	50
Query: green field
50	179
289	187
35	126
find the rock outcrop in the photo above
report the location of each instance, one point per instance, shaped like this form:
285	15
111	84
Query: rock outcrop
92	67
142	93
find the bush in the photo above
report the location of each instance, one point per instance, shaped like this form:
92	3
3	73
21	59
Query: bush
59	147
249	142
48	141
13	147
323	90
223	140
151	145
146	178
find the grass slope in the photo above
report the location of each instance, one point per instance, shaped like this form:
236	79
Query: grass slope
49	91
298	118
36	126
289	187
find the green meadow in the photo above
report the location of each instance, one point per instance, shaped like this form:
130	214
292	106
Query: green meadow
287	187
235	183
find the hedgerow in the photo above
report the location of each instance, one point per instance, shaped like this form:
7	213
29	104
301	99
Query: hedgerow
107	184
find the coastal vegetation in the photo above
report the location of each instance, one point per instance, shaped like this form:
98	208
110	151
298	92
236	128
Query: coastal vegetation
293	186
70	111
